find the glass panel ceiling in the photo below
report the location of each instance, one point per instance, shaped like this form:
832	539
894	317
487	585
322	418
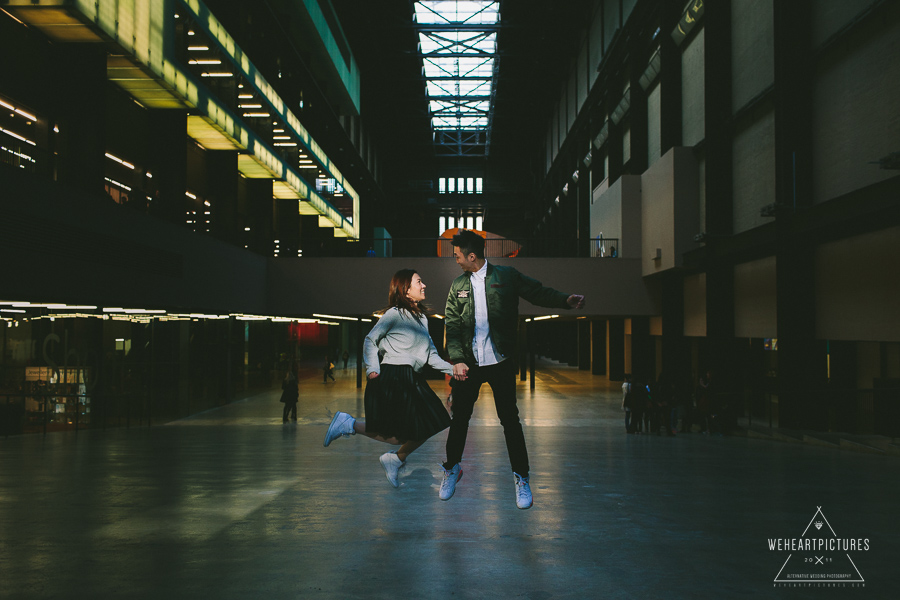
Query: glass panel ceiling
458	44
462	88
455	11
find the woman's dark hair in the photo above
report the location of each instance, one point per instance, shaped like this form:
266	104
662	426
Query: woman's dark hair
469	242
399	287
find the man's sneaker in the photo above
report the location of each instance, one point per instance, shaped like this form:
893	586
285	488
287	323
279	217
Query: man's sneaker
448	484
392	464
341	425
523	492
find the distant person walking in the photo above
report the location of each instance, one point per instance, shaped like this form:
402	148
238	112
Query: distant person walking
482	318
328	370
627	403
290	394
401	408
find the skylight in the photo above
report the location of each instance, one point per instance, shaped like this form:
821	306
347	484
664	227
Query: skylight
458	45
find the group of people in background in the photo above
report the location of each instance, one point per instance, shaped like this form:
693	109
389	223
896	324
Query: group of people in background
671	405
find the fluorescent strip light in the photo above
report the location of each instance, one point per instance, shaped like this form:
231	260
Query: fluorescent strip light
17	136
198	47
216	74
11	16
66	307
26	115
190	195
285	143
245	96
209	61
249	105
256	114
335	317
120	161
116	183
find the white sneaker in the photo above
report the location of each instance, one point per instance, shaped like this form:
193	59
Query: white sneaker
523	492
392	464
448	484
341	425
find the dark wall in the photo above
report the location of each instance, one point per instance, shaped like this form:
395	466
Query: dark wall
60	246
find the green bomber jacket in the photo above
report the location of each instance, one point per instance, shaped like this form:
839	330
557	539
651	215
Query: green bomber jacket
503	286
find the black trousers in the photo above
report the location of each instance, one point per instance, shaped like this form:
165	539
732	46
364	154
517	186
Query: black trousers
290	410
502	379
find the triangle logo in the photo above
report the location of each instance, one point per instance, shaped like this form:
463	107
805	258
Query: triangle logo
819	556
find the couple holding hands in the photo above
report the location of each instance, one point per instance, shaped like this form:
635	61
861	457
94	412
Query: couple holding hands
481	324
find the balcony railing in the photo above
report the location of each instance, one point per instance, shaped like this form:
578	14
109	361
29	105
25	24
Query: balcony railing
442	247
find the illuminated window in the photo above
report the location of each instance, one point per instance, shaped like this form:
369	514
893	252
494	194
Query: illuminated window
198	216
460	185
19	142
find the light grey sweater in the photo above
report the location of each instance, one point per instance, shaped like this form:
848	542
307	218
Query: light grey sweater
402	339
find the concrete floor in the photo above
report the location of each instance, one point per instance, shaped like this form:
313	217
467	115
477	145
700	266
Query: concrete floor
233	504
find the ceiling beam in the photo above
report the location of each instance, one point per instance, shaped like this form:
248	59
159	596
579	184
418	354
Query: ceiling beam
440	27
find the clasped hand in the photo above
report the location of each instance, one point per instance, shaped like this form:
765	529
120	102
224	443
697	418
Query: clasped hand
460	371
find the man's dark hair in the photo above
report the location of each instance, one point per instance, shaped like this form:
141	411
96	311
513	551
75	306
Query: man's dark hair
469	242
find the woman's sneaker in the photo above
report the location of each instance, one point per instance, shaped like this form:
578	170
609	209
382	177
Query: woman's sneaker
392	465
341	425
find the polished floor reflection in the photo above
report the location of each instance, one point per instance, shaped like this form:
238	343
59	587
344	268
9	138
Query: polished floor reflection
233	504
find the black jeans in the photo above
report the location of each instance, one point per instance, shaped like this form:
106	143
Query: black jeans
502	379
290	410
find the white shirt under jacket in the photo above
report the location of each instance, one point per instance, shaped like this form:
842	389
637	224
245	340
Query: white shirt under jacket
402	338
485	353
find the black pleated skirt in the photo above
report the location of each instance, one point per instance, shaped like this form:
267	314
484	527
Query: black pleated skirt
400	404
